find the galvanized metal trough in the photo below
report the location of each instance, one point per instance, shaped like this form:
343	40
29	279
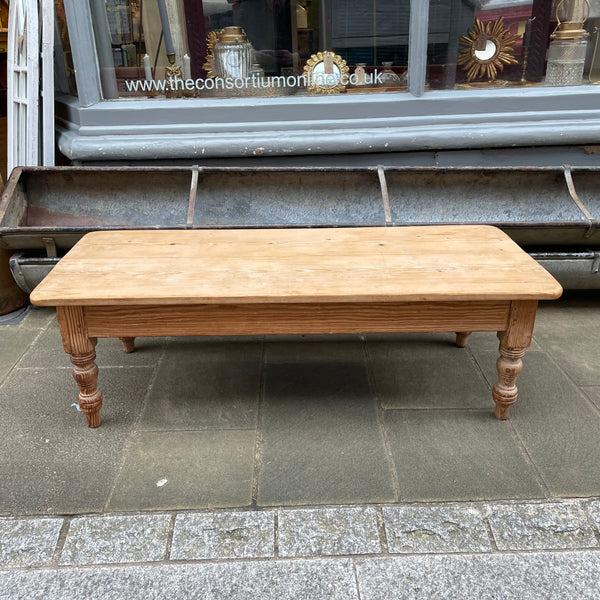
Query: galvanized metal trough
553	213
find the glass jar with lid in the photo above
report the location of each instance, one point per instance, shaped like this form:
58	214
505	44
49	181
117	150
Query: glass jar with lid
233	54
389	78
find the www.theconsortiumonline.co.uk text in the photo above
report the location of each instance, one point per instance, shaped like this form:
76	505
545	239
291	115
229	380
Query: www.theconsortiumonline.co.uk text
230	83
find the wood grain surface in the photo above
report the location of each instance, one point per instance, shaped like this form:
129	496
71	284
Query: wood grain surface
251	319
413	264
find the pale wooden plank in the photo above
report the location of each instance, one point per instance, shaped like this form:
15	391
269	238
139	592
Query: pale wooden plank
252	319
300	265
281	286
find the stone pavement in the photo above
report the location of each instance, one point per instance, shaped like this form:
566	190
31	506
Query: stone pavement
302	467
465	550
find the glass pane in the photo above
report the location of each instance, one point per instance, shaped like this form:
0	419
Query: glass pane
64	72
244	48
511	43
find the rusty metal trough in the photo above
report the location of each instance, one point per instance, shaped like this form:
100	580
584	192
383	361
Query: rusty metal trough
554	213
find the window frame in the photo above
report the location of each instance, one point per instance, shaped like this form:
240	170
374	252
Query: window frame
89	127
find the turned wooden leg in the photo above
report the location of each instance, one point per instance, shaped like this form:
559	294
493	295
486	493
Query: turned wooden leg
80	348
513	343
505	392
462	338
128	344
85	373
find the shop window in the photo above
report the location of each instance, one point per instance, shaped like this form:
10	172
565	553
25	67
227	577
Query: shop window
513	43
238	48
270	48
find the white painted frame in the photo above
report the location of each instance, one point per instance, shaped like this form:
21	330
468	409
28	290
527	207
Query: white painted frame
47	80
23	126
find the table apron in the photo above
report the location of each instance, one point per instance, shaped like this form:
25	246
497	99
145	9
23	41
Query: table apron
295	318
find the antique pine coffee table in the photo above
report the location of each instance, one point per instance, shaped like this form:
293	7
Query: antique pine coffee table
295	281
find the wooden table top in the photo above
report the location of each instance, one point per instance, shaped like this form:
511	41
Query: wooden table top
374	264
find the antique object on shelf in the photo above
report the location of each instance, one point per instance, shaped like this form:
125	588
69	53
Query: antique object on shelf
326	73
172	71
595	63
525	49
187	67
418	279
257	71
154	27
360	74
147	68
233	54
166	27
150	91
209	66
486	49
301	17
390	79
567	50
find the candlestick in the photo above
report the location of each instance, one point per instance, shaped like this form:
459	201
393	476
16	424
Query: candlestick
147	68
166	27
187	67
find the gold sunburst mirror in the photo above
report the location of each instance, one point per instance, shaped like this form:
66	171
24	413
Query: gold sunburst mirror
326	73
209	66
486	49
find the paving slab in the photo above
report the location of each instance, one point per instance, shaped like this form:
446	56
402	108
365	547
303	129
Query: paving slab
426	529
545	526
569	331
116	539
322	441
534	575
317	348
14	343
285	580
328	531
28	542
201	536
38	317
57	464
205	385
487	341
559	427
48	351
593	394
593	509
425	371
443	455
166	470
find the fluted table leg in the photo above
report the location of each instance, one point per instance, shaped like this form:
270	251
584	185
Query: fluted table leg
85	373
505	392
513	343
80	348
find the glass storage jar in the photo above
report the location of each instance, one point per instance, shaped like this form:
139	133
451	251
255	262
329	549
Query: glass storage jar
233	54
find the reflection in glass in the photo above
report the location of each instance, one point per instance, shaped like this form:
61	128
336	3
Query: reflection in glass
488	52
131	41
532	21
